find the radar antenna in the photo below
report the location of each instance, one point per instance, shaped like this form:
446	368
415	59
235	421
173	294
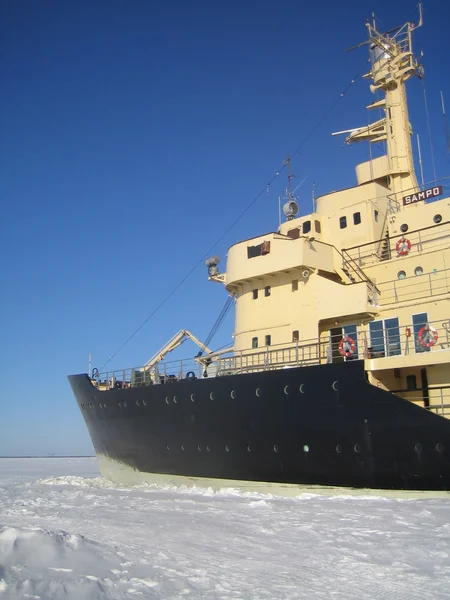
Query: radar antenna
290	206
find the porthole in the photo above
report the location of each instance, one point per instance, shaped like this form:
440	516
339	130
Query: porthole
137	403
167	447
418	447
233	394
192	397
175	401
401	275
276	448
286	389
199	448
306	448
300	388
339	449
227	448
208	449
437	218
439	447
167	399
124	404
258	392
211	396
182	447
404	228
144	402
249	448
357	448
418	271
104	406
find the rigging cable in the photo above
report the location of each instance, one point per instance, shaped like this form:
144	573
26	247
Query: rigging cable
238	218
429	129
223	313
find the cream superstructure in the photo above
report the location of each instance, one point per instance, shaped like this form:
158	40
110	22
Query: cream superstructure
367	275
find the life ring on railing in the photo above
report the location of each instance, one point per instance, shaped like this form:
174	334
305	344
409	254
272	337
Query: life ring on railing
403	246
191	375
347	346
427	336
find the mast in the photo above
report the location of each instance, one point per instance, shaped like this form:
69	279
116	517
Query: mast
393	64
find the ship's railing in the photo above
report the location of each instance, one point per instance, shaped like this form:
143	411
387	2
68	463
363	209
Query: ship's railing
306	352
434	237
435	398
414	287
433	336
309	352
378	344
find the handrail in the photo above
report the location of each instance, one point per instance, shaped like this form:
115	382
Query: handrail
402	341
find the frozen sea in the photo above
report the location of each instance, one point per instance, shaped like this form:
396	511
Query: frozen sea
67	533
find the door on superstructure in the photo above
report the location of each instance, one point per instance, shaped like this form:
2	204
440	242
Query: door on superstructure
337	334
335	340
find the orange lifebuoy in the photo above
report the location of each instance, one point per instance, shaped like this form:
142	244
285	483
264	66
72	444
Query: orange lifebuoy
403	246
427	336
347	346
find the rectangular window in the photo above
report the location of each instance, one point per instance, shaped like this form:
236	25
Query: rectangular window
268	340
392	337
295	336
419	321
255	294
267	290
384	338
375	216
342	222
294	285
294	233
356	218
259	250
376	339
317	226
254	342
306	226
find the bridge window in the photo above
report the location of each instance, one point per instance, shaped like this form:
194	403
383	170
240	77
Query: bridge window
295	335
317	226
255	294
306	226
254	342
375	215
267	290
342	222
384	338
268	340
356	218
294	285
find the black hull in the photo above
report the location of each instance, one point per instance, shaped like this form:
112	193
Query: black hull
317	425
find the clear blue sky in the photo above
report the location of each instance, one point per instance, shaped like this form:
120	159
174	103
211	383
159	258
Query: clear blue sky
133	135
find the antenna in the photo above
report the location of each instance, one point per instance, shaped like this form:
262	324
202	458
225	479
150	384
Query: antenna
420	162
290	208
445	122
313	196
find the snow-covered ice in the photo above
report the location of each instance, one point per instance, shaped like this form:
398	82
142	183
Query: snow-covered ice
65	532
